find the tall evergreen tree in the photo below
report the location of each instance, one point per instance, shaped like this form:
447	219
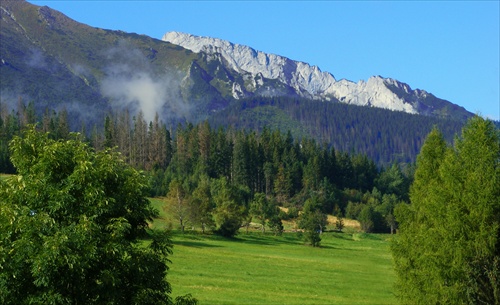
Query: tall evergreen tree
448	251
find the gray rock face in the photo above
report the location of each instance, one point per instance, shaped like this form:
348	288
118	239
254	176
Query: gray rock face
308	81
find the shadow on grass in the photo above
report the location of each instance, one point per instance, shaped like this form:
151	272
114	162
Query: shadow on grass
195	244
266	239
344	236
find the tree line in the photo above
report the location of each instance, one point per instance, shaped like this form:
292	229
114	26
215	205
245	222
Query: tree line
237	166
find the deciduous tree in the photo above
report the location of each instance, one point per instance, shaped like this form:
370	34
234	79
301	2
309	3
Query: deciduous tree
69	225
313	221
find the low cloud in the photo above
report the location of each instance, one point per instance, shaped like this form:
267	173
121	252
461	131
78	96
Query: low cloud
132	83
36	59
138	91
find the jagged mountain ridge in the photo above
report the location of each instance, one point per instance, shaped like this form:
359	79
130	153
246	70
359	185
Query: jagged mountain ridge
310	82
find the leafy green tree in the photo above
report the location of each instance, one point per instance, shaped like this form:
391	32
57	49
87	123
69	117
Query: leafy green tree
178	202
313	221
448	251
69	228
229	210
353	209
386	209
202	204
262	209
367	218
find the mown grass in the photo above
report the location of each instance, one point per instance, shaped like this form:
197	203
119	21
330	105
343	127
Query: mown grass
256	268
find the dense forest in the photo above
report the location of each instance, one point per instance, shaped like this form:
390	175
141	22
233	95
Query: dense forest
221	178
383	135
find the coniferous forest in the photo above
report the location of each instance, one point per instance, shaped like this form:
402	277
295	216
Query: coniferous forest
222	177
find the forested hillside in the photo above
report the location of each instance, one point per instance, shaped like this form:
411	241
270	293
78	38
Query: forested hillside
384	136
222	177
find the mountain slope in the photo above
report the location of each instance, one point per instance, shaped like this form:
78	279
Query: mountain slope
310	82
57	63
383	135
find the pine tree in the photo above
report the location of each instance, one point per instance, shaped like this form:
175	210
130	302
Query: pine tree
417	272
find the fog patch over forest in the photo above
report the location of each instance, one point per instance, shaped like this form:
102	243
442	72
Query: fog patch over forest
132	83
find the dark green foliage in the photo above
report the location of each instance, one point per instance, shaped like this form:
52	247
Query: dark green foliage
262	209
449	246
202	205
339	223
392	181
229	210
353	209
69	225
313	221
276	225
384	136
371	220
186	300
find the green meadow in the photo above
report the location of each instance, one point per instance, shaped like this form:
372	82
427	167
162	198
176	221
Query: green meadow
257	268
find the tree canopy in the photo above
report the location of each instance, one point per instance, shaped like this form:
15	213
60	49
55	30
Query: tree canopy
70	223
448	249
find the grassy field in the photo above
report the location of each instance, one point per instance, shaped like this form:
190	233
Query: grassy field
263	269
256	268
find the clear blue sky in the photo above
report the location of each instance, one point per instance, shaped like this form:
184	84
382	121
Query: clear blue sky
448	48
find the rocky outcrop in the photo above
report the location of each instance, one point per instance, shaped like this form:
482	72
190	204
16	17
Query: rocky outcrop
307	81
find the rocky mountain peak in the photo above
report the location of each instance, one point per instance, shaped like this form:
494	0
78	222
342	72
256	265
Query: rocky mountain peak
307	80
298	75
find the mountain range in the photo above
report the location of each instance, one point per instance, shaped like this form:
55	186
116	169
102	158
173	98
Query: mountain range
58	63
301	79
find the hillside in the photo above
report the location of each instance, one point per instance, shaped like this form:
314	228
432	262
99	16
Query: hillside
59	64
385	136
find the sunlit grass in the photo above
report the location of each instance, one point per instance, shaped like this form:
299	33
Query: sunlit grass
256	268
264	269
